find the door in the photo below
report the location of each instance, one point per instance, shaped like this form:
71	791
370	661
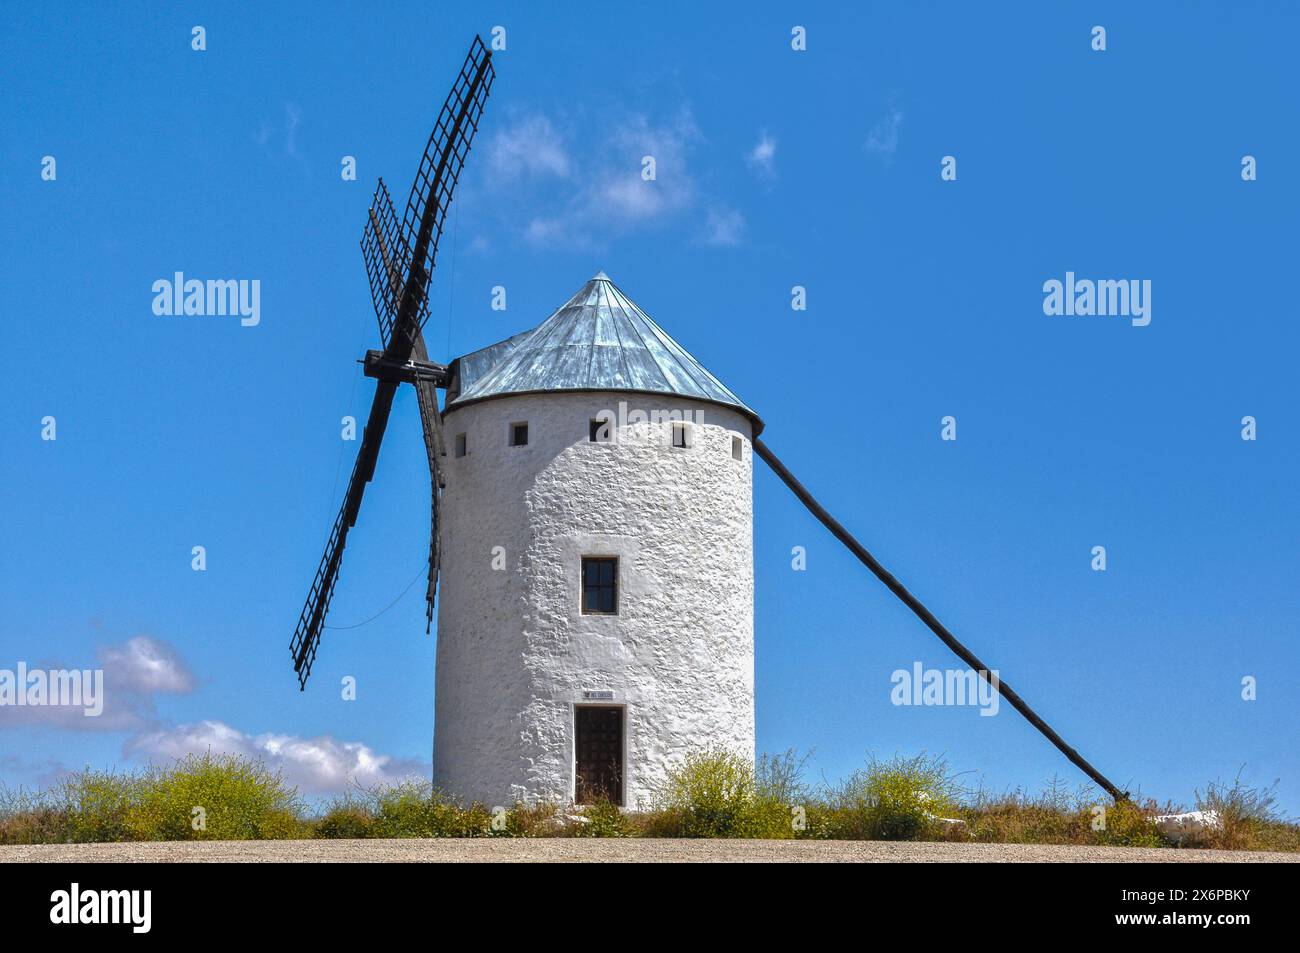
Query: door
598	754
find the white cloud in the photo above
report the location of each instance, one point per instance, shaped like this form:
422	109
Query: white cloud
594	190
531	146
292	118
146	665
762	158
317	765
723	227
134	672
883	139
288	138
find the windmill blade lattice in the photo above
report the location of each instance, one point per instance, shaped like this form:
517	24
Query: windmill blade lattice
399	260
386	255
436	178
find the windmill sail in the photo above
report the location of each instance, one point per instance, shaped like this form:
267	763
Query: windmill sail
399	262
431	426
435	181
385	255
306	636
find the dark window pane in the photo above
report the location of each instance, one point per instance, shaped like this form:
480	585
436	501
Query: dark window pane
600	584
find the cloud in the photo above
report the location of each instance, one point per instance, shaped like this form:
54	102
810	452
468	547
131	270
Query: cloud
292	118
146	665
762	158
315	765
289	138
133	673
586	188
530	147
138	670
883	139
723	227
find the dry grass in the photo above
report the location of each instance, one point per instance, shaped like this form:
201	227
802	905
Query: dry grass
714	795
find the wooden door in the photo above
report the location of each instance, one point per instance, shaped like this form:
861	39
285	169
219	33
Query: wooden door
598	750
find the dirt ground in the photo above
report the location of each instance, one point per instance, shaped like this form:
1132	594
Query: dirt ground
568	850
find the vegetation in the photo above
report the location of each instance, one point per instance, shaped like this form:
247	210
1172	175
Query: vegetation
713	794
200	797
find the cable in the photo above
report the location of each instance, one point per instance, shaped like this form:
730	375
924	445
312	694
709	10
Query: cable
385	608
935	626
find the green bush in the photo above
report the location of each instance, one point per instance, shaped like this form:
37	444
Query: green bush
899	799
415	809
1127	825
604	819
99	805
716	794
345	819
215	797
239	798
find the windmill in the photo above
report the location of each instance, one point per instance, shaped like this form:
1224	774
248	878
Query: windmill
399	259
597	345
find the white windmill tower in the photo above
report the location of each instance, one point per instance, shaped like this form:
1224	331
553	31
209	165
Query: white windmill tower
597	612
597	539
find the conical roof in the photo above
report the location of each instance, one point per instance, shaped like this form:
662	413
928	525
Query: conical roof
598	340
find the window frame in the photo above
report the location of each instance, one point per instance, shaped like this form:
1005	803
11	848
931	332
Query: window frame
598	586
512	433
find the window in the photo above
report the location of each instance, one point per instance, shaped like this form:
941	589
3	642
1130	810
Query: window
519	435
737	448
681	435
601	431
460	445
599	585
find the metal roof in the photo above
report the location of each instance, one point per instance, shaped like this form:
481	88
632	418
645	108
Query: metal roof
597	340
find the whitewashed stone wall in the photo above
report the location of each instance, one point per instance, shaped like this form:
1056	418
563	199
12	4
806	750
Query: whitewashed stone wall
515	654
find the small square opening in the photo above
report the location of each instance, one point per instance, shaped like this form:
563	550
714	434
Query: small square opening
461	446
519	435
601	431
737	448
681	435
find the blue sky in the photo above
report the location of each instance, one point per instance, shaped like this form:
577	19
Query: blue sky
776	168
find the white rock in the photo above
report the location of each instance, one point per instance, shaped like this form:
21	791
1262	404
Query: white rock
1178	827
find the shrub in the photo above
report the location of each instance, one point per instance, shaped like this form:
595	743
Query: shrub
1249	818
215	797
534	820
715	794
1128	825
345	819
30	818
900	799
604	819
415	809
98	805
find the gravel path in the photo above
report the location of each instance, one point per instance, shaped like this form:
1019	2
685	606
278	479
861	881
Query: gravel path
592	850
